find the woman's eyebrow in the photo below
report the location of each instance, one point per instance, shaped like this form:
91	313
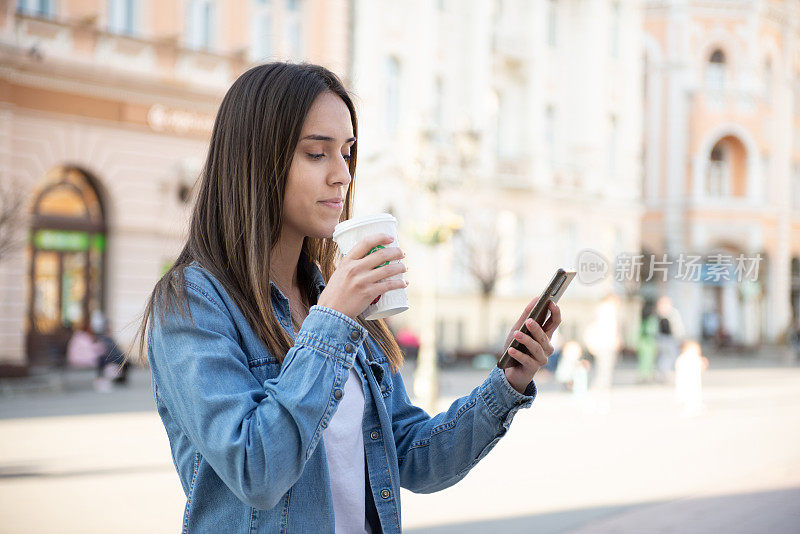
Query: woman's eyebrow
317	137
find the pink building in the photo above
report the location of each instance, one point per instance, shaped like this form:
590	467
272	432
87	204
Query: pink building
105	112
722	158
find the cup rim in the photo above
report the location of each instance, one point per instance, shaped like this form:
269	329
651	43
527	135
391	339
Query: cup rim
355	222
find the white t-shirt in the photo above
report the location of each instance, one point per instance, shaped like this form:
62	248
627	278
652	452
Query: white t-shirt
344	448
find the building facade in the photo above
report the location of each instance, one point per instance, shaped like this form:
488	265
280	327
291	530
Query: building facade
525	117
105	113
722	138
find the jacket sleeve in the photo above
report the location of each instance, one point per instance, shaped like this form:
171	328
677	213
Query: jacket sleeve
436	452
256	436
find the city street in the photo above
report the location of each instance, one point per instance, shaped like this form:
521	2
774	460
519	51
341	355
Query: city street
81	461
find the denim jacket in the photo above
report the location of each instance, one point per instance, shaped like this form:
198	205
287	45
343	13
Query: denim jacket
245	431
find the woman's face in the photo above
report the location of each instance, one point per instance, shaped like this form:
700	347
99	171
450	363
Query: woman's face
319	170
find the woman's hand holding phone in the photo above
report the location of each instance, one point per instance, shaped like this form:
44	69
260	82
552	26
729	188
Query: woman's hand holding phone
360	278
537	343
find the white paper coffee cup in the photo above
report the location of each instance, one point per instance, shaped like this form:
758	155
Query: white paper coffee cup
348	233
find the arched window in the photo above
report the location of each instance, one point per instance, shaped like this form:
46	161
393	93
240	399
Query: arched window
717	172
715	71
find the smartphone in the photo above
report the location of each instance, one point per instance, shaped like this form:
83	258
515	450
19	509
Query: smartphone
539	313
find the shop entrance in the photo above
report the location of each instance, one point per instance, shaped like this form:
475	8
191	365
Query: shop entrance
67	263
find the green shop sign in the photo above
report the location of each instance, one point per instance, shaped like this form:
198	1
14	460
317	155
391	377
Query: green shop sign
66	240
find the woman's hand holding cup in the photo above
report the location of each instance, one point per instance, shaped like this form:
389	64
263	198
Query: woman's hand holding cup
361	276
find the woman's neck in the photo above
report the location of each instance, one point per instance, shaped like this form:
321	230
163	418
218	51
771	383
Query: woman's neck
283	262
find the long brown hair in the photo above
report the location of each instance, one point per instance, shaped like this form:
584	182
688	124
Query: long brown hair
236	218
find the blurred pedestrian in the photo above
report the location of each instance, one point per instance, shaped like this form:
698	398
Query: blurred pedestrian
571	354
603	340
688	379
557	342
83	350
669	337
408	341
647	348
112	366
794	341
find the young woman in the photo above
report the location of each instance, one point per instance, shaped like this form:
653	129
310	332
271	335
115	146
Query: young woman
284	408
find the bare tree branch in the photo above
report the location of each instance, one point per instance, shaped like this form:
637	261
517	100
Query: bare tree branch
12	217
479	254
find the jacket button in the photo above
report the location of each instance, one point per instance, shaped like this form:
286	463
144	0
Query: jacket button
348	348
374	434
337	394
354	335
386	494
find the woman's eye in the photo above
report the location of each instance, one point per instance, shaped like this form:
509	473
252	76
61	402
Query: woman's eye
322	155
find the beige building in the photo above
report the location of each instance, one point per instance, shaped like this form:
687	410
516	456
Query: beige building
722	138
105	112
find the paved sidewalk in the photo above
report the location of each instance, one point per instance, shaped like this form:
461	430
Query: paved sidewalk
102	463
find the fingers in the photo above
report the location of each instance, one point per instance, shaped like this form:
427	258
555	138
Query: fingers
554	320
368	243
529	362
538	340
378	257
385	271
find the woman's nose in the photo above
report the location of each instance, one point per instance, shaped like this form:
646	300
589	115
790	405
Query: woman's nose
342	172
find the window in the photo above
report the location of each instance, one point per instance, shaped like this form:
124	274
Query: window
37	8
614	28
613	142
768	80
552	23
509	122
520	250
796	187
392	109
261	30
715	71
716	181
438	102
550	133
797	94
122	15
569	243
294	28
200	24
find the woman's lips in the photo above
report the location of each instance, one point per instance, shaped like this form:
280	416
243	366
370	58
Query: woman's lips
334	205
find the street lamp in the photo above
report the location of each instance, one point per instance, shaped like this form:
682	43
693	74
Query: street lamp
435	226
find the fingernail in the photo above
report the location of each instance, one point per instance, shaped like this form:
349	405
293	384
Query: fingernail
517	334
